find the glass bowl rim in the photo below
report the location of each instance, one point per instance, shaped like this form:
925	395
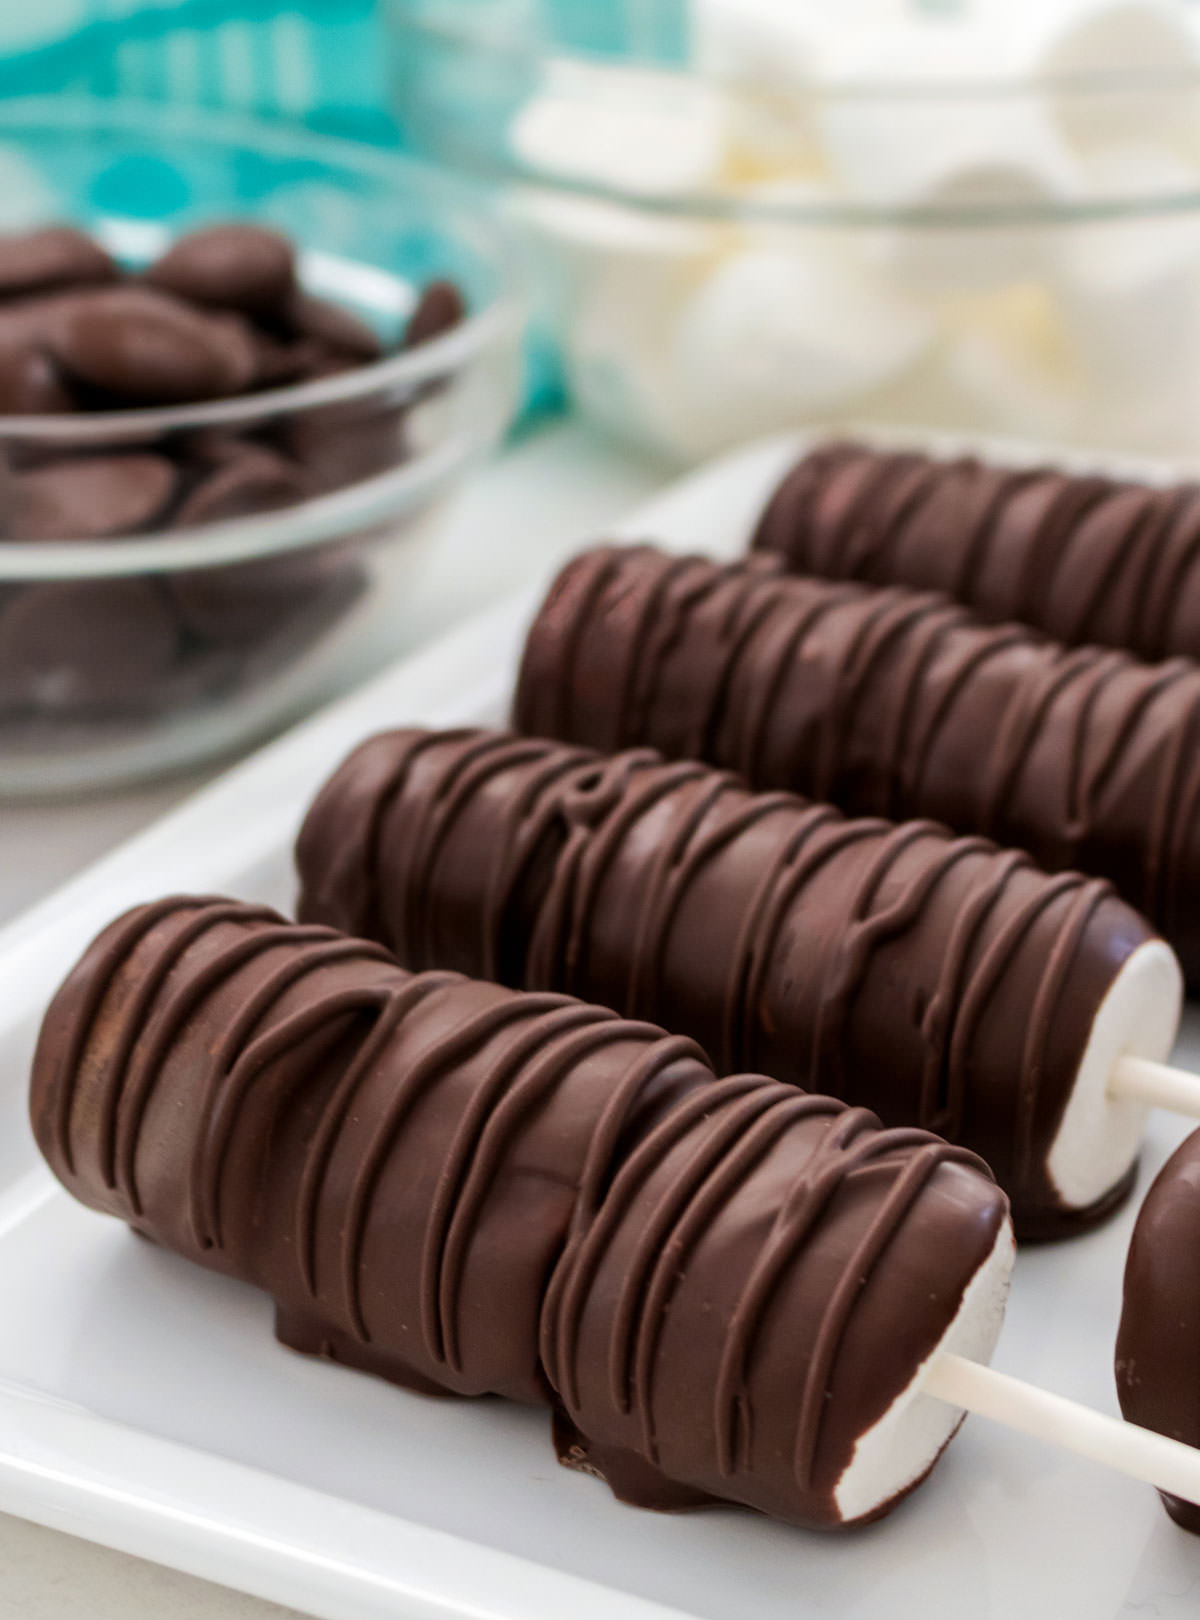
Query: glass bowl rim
457	209
734	206
912	87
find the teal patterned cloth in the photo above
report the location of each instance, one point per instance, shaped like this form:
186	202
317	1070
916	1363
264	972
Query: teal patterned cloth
353	68
324	63
317	62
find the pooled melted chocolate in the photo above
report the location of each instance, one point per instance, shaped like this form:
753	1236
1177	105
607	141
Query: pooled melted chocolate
939	981
886	702
718	1285
1084	558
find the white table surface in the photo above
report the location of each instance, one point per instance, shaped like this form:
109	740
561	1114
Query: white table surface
532	504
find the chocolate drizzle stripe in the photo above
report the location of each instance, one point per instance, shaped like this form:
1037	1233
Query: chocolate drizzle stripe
221	1101
846	964
819	916
392	1007
733	1154
123	1104
896	703
476	1190
1087	559
571	1036
779	882
375	831
1083	906
568	1275
119	939
1020	723
853	1279
988	976
146	1045
451	1050
945	1083
561	1325
732	1136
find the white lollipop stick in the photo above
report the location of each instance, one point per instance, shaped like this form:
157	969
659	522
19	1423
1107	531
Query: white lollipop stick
1141	1453
1158	1085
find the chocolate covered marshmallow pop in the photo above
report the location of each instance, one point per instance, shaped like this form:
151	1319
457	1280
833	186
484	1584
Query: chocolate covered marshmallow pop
885	702
939	981
1088	559
725	1289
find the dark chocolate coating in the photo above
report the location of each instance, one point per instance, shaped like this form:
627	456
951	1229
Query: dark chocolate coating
55	256
345	442
938	981
331	325
90	647
885	702
468	1189
90	497
249	605
727	1325
141	346
1158	1343
1085	559
236	266
30	383
439	309
248	478
220	314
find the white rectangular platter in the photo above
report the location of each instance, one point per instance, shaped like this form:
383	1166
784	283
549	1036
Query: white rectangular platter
145	1404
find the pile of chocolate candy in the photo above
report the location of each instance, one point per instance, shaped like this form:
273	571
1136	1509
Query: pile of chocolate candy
221	315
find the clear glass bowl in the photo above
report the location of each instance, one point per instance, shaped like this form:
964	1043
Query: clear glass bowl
739	221
140	653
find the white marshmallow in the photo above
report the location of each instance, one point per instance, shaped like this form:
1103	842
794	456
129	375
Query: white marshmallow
611	279
637	131
1109	43
976	382
615	353
780	45
757	45
1006	389
939	152
574	243
901	1447
1099	1136
774	337
764	55
1008	366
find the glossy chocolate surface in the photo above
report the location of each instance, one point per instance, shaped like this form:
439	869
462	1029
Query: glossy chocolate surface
468	1189
885	702
1158	1344
1087	559
939	981
220	314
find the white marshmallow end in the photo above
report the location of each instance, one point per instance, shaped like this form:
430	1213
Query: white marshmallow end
638	131
904	1444
1100	1134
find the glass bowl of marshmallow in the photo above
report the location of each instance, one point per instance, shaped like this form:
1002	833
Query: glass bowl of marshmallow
747	215
237	366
